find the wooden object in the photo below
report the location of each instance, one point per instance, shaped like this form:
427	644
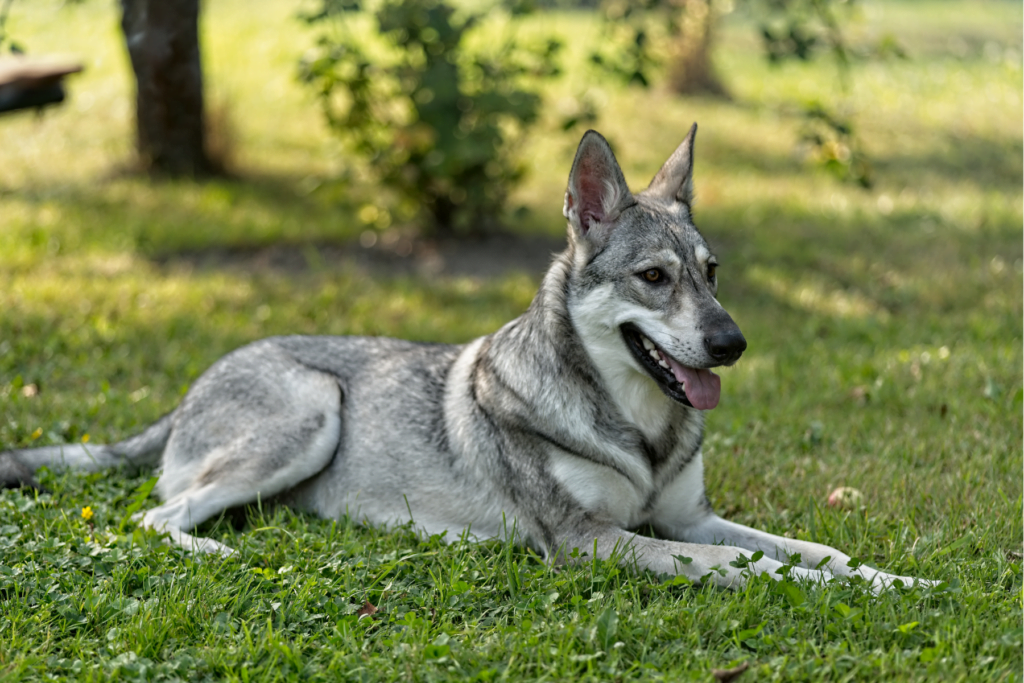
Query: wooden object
32	82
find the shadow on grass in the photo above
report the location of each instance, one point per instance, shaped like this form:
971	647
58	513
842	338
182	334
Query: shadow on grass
985	162
164	217
916	258
392	254
273	224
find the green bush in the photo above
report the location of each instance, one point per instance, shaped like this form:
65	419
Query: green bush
438	120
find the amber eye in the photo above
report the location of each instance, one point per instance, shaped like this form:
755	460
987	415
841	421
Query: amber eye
652	275
711	270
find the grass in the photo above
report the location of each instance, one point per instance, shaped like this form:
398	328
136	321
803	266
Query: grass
885	354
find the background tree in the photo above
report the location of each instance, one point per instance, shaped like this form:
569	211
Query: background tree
163	44
650	34
691	71
645	34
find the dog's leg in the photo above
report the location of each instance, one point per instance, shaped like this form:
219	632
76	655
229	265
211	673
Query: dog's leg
693	560
232	481
683	515
251	470
226	452
185	511
714	529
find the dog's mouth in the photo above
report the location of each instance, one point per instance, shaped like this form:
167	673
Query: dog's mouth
695	387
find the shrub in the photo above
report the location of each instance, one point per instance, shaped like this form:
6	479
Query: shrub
438	120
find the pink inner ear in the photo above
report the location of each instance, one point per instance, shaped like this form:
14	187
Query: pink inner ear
590	190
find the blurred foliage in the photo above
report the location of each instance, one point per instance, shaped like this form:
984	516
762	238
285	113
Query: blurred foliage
580	110
5	38
800	29
438	118
797	29
633	37
639	37
637	32
832	145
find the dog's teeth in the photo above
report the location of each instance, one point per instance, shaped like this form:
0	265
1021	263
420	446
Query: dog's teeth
655	355
648	344
663	364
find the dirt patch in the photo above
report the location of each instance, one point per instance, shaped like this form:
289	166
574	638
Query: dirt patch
391	254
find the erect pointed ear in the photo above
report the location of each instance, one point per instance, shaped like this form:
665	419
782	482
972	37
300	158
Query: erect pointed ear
597	192
674	182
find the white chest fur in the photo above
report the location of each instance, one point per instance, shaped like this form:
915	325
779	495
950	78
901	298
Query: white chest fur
599	489
604	491
681	503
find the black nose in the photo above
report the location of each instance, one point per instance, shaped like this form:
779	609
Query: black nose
726	346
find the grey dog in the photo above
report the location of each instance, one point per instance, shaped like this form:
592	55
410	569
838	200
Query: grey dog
576	422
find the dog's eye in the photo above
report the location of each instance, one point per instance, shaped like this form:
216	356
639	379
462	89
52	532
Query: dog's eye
653	275
711	270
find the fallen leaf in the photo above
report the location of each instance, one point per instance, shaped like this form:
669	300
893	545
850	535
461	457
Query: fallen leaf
845	497
367	610
726	675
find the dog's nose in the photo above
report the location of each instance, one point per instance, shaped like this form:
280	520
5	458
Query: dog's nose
725	347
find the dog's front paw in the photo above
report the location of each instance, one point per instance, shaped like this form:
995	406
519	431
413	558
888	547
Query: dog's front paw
882	582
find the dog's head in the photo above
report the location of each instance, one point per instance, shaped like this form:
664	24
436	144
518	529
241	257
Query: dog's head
644	277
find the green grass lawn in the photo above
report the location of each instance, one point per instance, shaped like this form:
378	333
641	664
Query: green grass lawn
885	353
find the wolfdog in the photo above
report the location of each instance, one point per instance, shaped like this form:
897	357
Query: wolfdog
575	423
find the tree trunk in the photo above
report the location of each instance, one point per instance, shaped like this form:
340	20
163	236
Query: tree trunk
163	43
691	71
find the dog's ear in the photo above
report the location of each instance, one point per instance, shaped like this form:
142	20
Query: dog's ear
674	182
597	192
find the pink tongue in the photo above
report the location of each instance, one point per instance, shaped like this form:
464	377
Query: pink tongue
702	387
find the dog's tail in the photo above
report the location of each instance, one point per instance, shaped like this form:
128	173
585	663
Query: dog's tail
18	467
